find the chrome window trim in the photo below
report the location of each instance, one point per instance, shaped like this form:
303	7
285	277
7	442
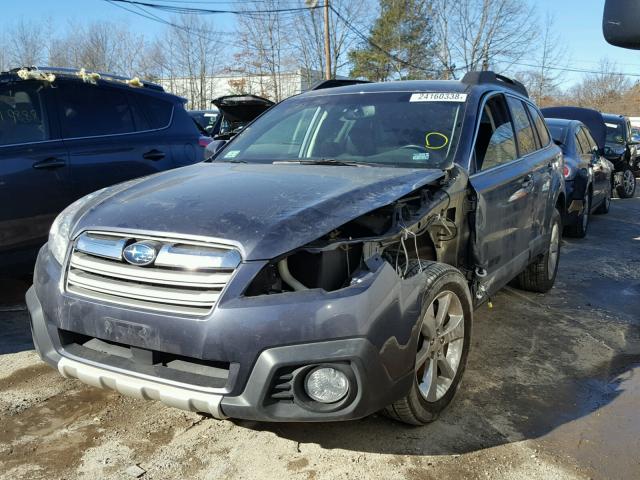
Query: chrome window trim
106	135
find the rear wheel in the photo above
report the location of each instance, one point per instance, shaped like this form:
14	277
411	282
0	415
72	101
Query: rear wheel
442	346
627	187
541	274
579	230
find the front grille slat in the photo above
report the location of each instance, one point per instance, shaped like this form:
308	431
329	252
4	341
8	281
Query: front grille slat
110	268
179	289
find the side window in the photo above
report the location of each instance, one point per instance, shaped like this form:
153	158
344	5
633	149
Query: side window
90	110
581	146
495	144
587	144
541	126
22	117
158	112
524	129
592	141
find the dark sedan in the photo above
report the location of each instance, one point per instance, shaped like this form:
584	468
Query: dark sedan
587	174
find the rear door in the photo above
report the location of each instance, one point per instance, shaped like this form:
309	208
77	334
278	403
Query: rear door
34	165
504	185
108	135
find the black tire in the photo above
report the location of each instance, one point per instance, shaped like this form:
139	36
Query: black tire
579	230
540	275
603	208
627	188
440	279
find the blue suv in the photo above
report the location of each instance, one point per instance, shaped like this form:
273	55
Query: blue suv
65	133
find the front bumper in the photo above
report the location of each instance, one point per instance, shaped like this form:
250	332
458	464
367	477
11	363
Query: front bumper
368	329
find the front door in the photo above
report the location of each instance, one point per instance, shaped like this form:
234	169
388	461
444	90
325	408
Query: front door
504	185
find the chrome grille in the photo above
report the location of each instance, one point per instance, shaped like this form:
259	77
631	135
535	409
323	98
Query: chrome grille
186	278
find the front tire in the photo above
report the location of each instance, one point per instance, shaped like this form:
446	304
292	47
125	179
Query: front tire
628	186
541	274
442	348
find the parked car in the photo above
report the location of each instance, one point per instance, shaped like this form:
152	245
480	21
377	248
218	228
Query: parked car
621	149
616	128
205	119
236	112
324	265
587	174
61	140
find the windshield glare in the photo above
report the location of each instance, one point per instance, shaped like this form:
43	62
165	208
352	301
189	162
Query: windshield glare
381	129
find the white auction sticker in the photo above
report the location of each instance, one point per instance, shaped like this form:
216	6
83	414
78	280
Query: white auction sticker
438	97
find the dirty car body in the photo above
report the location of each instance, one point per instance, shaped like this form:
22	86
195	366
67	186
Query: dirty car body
221	287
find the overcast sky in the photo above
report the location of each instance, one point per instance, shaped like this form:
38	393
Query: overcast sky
578	22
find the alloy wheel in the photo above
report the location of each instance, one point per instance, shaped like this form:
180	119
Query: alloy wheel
554	250
440	346
628	182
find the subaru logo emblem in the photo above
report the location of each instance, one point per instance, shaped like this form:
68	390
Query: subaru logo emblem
140	253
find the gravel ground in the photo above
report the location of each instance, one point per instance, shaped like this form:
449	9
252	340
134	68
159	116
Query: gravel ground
552	390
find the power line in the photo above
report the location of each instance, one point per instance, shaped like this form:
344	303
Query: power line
209	11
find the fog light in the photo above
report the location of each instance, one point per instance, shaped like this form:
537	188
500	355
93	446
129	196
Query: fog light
326	385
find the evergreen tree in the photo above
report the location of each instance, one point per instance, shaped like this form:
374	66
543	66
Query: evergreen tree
401	43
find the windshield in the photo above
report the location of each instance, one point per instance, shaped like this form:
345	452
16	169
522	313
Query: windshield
398	129
615	133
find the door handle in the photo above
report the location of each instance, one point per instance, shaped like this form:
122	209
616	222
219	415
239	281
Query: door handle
49	163
153	155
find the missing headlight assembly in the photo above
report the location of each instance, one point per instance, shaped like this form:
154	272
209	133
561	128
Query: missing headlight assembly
410	229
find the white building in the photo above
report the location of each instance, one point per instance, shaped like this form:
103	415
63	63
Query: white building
200	92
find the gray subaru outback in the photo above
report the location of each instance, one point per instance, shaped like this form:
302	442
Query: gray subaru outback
323	265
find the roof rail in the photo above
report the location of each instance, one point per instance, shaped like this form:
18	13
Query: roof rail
76	71
476	78
336	82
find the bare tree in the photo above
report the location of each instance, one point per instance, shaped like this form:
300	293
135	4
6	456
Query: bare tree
186	59
544	79
308	41
263	52
483	34
604	91
27	44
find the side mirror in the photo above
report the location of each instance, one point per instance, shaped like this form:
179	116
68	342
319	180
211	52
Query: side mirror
621	23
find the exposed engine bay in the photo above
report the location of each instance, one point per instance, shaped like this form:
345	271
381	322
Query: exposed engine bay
403	233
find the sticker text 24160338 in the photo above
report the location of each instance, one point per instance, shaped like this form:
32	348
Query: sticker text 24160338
438	97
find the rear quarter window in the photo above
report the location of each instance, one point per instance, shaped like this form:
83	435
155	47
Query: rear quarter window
157	111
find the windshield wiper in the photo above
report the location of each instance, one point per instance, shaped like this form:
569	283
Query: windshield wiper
324	161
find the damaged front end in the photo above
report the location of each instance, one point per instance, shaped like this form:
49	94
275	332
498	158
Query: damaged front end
414	228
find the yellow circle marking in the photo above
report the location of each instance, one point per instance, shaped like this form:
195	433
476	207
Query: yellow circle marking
431	147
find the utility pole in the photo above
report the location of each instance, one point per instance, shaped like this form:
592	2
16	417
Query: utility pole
327	42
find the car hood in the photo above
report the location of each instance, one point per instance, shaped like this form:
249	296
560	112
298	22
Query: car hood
242	108
267	210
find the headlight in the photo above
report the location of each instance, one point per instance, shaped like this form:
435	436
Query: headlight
61	227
